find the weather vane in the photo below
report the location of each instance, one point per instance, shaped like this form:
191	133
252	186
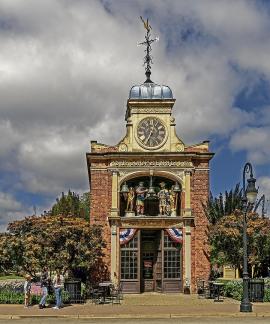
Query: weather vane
148	41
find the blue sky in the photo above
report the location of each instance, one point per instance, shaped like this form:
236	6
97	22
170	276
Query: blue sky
66	68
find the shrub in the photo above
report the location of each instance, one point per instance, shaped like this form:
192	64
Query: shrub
234	289
12	297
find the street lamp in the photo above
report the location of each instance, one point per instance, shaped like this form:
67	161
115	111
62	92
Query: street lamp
249	198
261	201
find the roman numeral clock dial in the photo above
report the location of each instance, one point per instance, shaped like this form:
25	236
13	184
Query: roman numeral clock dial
151	133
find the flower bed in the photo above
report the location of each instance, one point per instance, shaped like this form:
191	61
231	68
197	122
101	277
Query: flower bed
11	292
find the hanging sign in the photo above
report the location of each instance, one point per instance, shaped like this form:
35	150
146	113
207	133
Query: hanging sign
126	235
175	234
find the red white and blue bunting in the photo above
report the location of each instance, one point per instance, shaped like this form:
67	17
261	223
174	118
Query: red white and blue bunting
175	234
126	235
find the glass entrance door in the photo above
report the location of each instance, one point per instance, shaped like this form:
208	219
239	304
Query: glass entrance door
149	259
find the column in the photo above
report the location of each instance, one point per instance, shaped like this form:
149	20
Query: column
187	256
114	214
187	222
187	210
114	206
114	263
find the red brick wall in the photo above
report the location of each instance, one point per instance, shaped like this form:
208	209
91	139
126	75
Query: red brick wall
200	246
101	197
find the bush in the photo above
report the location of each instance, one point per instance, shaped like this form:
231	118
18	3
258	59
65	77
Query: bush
234	289
12	297
266	290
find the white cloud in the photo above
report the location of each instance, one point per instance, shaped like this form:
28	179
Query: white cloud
255	140
10	209
66	68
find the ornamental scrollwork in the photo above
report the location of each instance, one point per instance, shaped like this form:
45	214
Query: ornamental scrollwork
170	163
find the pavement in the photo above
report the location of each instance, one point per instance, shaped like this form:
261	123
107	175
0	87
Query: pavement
143	306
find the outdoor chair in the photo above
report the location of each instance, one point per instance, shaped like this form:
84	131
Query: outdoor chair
201	286
115	295
95	295
205	289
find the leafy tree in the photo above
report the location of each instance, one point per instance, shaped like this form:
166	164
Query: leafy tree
72	204
221	206
68	243
226	239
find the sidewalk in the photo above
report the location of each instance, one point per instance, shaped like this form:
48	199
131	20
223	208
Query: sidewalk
150	305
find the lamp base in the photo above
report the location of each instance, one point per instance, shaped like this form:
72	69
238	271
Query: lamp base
246	307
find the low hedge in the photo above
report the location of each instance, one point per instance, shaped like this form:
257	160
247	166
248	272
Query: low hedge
13	297
234	289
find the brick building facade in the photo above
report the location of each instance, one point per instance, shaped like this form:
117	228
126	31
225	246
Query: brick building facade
155	248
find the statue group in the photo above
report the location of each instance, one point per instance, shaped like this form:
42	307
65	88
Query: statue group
167	199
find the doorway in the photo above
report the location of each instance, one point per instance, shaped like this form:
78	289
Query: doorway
151	265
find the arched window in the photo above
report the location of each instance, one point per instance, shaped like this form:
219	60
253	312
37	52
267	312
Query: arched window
150	196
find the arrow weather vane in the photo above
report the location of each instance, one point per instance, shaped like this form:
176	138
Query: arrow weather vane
148	41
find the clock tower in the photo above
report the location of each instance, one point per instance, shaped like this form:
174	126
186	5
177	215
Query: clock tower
147	193
150	125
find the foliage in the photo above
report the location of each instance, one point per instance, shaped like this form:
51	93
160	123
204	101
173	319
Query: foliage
72	204
14	297
62	242
216	208
226	241
234	289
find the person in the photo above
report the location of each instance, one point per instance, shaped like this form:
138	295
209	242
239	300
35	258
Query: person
27	291
130	199
44	285
163	196
141	192
58	284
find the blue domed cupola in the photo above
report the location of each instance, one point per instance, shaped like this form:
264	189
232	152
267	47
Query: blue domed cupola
150	90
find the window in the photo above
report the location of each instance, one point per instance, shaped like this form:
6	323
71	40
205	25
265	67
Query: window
129	259
171	258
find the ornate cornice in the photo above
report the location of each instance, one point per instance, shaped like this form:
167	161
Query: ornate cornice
168	163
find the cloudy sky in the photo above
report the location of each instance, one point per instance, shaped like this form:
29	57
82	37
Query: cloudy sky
66	67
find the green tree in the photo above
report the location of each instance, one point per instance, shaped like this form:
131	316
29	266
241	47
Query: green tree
72	204
226	239
69	243
223	205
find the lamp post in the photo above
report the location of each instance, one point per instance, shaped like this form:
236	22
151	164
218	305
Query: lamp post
261	201
249	198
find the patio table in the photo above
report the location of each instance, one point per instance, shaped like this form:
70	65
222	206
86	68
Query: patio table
217	286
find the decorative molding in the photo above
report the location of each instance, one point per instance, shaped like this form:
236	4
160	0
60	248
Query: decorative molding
180	174
124	173
123	147
153	222
150	110
180	164
180	148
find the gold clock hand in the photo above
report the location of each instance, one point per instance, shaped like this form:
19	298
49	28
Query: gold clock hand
151	132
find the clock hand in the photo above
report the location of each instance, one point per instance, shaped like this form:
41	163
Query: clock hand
151	132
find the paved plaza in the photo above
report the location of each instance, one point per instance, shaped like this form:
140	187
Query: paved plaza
144	306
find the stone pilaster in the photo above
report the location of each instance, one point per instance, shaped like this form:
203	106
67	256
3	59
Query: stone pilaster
114	206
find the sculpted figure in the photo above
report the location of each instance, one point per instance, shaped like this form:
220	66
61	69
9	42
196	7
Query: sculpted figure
130	199
163	196
141	192
173	197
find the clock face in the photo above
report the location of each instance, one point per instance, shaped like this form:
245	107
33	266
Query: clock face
151	132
